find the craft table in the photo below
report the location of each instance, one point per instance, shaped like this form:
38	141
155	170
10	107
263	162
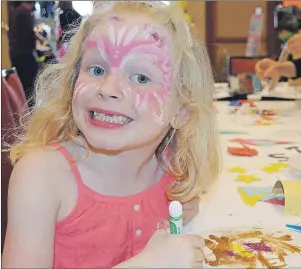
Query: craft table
223	206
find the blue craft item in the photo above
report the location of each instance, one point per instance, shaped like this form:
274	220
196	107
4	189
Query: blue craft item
231	132
234	103
267	191
256	84
294	227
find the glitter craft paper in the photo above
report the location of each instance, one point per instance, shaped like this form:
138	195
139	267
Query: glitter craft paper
252	248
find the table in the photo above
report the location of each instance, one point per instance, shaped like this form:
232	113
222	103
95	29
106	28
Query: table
281	92
223	206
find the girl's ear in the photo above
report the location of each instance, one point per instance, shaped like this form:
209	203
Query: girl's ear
180	118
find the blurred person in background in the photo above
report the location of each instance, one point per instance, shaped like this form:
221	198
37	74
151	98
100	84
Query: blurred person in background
268	68
22	45
68	17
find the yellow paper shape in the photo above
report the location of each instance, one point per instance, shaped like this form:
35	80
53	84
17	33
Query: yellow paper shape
291	189
247	178
249	200
236	169
279	165
271	169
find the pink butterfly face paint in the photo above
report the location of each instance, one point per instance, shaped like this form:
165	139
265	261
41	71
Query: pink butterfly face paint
127	69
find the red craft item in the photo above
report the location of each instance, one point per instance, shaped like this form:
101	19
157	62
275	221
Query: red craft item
249	102
244	151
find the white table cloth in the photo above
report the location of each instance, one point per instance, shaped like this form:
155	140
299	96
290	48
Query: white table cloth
223	207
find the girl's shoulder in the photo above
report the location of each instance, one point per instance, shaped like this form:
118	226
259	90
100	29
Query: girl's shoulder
40	168
41	159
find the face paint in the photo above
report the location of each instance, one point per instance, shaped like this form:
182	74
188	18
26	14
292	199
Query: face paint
81	88
118	47
133	79
158	102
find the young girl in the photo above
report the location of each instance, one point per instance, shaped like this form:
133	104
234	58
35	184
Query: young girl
125	122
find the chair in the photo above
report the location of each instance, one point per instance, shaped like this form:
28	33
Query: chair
13	105
239	66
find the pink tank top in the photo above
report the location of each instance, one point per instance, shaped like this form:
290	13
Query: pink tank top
103	231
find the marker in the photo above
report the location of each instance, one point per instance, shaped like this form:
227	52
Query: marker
176	217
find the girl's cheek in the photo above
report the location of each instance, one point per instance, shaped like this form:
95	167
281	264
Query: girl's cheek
82	89
154	104
78	86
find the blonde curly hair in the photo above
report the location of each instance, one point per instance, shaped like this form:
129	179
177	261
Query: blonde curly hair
193	149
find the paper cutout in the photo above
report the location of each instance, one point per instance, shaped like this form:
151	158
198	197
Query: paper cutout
274	167
271	169
260	142
249	200
231	132
275	201
243	151
279	165
247	178
270	196
237	169
292	195
266	194
253	191
294	227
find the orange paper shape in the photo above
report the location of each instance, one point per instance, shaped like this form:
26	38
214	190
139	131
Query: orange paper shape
249	200
247	178
243	151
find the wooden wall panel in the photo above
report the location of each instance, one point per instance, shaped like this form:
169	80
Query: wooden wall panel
5	61
227	29
197	11
233	18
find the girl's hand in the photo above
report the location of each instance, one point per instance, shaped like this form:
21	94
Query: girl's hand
262	66
267	69
166	250
190	210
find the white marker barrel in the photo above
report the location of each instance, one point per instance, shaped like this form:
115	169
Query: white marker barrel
176	217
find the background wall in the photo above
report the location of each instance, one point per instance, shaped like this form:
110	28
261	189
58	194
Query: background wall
5	60
224	25
227	31
197	11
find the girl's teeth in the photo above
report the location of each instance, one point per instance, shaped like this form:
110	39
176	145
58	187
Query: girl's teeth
111	119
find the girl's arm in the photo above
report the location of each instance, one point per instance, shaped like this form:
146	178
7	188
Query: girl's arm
32	214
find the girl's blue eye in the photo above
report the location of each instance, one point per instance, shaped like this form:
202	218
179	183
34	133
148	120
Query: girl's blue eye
140	79
96	71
